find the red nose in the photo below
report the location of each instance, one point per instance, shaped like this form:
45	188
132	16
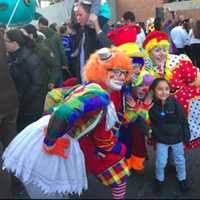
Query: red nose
145	90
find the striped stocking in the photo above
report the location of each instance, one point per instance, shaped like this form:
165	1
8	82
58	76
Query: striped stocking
119	191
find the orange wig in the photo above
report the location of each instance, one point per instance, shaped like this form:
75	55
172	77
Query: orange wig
96	69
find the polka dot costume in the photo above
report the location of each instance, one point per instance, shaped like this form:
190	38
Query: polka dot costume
184	74
194	118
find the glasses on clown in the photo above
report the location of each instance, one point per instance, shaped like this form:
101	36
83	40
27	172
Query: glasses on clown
119	72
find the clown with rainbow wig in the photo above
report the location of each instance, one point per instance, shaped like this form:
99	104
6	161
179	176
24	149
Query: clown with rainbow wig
51	156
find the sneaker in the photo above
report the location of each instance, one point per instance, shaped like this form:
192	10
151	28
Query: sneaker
183	186
158	186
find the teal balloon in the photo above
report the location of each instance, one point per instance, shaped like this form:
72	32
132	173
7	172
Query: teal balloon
24	14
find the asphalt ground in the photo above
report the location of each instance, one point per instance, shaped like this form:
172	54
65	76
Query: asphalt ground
139	187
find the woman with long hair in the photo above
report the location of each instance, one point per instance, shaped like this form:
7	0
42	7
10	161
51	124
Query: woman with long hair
29	75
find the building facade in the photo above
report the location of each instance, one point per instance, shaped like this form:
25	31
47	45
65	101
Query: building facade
145	9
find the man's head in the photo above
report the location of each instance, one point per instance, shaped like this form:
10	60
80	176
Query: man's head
128	17
43	22
181	19
30	31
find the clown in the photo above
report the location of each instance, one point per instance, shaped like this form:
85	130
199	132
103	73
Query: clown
134	97
136	113
182	75
50	155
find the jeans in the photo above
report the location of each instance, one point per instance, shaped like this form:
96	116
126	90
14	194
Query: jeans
161	160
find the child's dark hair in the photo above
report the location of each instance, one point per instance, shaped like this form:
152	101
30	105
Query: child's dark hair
156	82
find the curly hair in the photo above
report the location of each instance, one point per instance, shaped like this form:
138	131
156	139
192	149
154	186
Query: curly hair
96	69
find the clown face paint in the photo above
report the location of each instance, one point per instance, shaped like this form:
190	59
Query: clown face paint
142	91
116	79
159	55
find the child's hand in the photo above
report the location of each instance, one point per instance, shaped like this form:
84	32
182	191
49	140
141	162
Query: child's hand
131	102
148	100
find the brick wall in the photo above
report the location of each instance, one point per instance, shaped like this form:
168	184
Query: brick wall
143	9
193	13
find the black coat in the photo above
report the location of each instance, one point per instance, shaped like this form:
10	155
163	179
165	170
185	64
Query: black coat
30	77
93	41
171	128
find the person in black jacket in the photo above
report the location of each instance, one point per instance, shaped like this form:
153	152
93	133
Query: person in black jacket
169	129
30	77
46	54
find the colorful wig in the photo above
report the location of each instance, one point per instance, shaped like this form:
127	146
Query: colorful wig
97	67
154	39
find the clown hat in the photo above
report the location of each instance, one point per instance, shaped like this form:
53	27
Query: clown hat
124	34
131	49
155	38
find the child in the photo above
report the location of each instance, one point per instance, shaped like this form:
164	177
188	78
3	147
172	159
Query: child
169	129
67	39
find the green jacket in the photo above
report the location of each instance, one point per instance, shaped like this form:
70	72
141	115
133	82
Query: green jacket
49	60
54	43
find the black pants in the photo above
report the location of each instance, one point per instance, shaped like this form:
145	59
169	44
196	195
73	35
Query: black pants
24	119
186	50
8	127
195	54
7	133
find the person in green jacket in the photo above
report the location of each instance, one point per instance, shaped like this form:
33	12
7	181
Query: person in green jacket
54	43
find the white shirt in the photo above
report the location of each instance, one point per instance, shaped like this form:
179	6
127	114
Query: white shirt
180	37
140	39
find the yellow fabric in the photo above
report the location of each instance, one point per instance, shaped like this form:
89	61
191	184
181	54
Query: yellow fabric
154	43
52	97
131	50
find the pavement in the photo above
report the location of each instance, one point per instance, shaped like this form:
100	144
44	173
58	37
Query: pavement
139	187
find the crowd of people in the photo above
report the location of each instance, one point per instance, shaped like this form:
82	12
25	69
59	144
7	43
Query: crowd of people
88	97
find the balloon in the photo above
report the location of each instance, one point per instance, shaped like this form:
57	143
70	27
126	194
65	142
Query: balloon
24	13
